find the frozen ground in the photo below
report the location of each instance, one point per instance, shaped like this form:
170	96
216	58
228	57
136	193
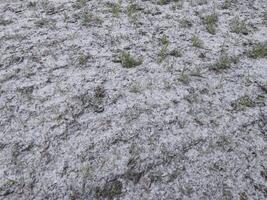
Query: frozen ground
133	100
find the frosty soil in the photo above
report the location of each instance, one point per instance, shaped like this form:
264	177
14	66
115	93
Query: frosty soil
160	99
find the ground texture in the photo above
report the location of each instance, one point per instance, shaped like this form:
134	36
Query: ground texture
133	100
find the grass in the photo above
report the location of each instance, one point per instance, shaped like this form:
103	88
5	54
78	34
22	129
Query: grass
164	40
131	11
43	22
184	78
132	8
243	102
100	92
31	4
135	88
128	61
82	59
185	23
80	4
111	190
196	41
115	9
88	18
163	53
237	26
163	2
222	63
164	49
210	22
258	51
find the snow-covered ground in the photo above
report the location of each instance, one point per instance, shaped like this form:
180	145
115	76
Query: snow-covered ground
133	100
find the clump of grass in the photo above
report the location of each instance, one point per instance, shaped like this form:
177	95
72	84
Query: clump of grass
128	61
135	88
196	41
80	4
42	23
31	4
243	102
177	5
196	72
222	63
258	51
238	26
163	53
111	190
82	59
184	78
185	23
45	22
163	2
131	11
132	8
115	9
100	92
88	18
210	22
164	40
164	49
192	97
198	2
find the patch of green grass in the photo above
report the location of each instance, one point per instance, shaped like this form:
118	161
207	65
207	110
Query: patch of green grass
86	170
164	40
243	102
164	49
110	190
128	61
163	53
82	59
165	2
210	22
258	51
88	18
238	26
80	4
115	9
132	8
198	2
222	63
196	41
